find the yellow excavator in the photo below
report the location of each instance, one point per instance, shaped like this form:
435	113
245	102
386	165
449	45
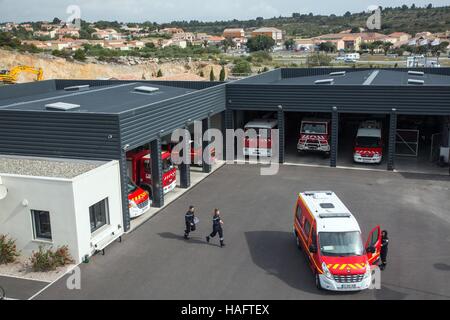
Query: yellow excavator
10	76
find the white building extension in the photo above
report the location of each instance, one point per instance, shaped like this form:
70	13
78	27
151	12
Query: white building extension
52	203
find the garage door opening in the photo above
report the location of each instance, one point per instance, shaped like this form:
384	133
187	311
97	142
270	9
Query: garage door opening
363	141
422	144
307	138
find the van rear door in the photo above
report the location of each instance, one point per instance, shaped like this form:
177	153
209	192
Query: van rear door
373	245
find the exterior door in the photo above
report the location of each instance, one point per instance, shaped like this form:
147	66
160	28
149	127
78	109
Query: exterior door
374	243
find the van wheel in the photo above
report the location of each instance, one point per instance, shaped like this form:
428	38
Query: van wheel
297	241
318	286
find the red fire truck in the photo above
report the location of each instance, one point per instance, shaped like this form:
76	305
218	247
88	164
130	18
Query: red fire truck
138	200
331	238
368	143
315	135
140	170
195	152
261	143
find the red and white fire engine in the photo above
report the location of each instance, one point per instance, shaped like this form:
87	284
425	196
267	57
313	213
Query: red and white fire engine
331	238
368	143
138	200
315	135
259	143
196	153
140	170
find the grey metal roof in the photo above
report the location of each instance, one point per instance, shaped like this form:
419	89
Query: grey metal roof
46	167
112	99
368	77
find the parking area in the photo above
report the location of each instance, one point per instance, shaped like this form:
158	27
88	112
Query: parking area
20	289
261	260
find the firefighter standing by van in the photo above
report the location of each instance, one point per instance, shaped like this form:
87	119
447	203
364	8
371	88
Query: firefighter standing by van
189	219
217	228
384	249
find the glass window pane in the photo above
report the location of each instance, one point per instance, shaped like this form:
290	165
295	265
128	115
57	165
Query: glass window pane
41	224
98	215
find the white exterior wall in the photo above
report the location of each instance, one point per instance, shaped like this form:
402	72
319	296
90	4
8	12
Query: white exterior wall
68	202
55	196
89	189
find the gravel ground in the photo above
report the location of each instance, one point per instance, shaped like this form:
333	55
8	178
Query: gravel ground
45	167
22	269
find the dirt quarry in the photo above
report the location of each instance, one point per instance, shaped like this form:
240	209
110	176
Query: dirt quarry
59	68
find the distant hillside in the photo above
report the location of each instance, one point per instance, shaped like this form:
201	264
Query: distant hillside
406	19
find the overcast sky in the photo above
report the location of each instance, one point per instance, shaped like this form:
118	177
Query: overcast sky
170	10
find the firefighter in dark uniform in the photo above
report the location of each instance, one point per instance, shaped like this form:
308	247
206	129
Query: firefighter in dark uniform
217	228
384	249
189	219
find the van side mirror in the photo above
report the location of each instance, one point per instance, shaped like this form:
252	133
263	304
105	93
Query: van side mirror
371	250
312	249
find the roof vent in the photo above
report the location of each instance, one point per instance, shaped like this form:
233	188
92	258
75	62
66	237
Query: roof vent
338	73
334	215
324	81
416	73
146	89
416	82
61	106
77	88
327	206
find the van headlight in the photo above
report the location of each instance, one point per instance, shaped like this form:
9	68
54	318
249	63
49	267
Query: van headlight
326	272
131	204
368	272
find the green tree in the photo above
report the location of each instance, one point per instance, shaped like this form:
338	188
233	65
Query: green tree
327	47
226	44
7	40
159	74
201	74
212	77
222	74
387	46
318	60
242	67
260	43
375	46
79	55
289	44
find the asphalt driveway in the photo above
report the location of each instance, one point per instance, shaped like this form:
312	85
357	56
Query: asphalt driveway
261	260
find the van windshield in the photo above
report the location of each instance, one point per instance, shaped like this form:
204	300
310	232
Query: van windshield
167	165
132	187
341	244
368	142
314	127
264	132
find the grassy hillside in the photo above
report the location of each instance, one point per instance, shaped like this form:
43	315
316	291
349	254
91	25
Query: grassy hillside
406	19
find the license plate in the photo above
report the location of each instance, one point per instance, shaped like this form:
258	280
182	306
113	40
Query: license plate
348	286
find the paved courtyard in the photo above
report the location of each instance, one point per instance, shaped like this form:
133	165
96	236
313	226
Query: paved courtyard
261	260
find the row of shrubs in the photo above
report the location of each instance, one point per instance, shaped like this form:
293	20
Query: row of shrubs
42	260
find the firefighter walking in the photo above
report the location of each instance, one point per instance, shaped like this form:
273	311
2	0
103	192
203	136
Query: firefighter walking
217	228
189	219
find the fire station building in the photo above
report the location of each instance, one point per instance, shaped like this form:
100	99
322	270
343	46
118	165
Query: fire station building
102	120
